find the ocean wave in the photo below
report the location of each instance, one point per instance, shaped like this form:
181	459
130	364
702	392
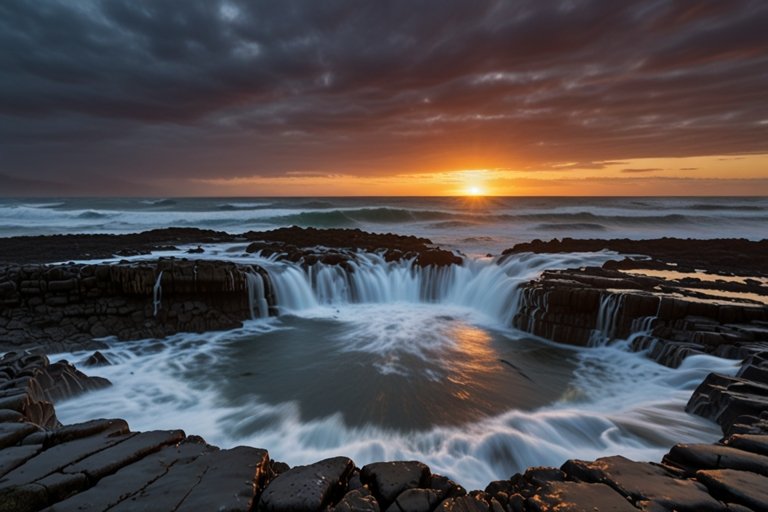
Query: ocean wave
229	207
349	218
591	218
726	207
44	205
164	202
332	219
574	226
316	205
451	224
92	215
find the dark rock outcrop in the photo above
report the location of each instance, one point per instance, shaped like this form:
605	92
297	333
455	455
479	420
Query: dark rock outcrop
29	384
740	256
308	488
339	246
289	242
592	305
63	307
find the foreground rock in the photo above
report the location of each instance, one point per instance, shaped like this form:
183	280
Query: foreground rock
102	465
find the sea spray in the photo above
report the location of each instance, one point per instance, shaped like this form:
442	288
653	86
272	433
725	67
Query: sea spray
392	330
618	402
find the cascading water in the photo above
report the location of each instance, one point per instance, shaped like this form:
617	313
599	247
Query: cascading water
157	293
484	285
392	361
607	318
256	298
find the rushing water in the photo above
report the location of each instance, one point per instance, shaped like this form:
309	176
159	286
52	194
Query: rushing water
472	225
392	361
396	362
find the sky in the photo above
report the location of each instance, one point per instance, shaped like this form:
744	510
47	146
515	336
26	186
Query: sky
402	97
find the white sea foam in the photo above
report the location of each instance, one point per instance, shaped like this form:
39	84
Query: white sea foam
475	227
617	402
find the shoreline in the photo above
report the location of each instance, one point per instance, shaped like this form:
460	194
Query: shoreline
671	317
101	464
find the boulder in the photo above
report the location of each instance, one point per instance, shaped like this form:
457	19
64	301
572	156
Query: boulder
415	500
307	488
387	480
358	500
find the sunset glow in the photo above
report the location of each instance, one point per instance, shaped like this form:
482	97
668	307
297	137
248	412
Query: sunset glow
451	98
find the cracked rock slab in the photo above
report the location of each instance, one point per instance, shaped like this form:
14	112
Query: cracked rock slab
14	456
641	481
232	481
742	487
178	490
106	462
131	479
578	497
694	457
59	457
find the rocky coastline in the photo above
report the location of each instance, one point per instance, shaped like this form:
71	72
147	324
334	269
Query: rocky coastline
102	465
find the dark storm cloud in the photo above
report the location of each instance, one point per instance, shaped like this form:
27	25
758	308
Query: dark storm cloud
182	88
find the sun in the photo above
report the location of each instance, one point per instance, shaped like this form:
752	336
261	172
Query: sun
475	191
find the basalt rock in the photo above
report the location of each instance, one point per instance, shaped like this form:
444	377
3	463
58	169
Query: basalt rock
591	306
724	255
308	488
733	401
340	246
64	307
388	480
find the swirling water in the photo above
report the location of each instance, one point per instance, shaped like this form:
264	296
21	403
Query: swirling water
395	362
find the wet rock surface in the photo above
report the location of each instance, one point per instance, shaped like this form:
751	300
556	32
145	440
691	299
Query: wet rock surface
102	465
670	320
284	241
731	255
338	246
64	307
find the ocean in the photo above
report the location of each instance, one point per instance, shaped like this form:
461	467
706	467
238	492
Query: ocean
391	361
473	225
